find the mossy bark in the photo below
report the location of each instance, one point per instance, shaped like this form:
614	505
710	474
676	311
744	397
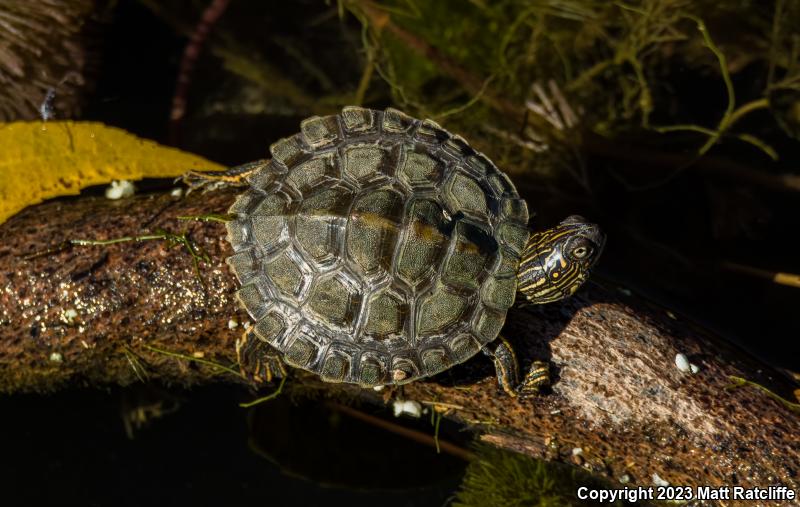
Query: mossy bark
119	314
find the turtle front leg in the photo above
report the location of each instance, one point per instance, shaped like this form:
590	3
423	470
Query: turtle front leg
507	367
258	360
214	180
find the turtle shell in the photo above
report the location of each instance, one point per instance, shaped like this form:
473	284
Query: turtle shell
375	248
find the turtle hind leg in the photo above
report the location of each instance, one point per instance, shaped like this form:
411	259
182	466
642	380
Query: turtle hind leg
259	361
505	364
507	368
214	180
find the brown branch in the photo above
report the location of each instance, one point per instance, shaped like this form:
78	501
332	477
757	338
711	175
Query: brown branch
133	312
86	313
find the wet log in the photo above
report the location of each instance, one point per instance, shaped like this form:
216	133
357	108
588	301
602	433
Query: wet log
619	407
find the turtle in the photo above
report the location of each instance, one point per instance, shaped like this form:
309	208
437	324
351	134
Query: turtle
377	249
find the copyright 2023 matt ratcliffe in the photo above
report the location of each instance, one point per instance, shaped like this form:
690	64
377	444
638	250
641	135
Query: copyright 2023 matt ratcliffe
686	493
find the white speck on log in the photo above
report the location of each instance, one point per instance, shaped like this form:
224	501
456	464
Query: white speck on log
682	362
658	481
409	407
68	316
120	189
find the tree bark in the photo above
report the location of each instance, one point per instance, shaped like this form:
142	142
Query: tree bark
126	312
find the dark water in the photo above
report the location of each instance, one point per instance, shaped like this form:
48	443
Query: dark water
72	449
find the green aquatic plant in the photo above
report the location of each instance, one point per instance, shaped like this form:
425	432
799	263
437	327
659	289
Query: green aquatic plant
271	396
200	360
741	382
498	477
628	66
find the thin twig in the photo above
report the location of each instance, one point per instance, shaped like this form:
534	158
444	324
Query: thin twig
408	433
788	279
190	55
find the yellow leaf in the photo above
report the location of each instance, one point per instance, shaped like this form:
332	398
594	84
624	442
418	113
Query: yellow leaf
43	160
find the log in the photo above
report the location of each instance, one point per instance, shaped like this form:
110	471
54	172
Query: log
618	407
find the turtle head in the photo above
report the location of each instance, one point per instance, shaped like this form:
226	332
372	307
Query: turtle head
557	261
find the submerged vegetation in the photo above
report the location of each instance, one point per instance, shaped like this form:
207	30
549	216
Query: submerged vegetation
669	76
616	61
497	477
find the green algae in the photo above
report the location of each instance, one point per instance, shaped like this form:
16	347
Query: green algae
498	477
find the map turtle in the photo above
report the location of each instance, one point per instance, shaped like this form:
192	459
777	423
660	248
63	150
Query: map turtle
374	248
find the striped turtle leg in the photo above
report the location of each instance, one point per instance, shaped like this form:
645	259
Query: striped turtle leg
507	368
214	180
258	360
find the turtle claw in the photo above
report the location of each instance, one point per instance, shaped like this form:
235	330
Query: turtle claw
258	361
537	377
507	367
210	181
205	182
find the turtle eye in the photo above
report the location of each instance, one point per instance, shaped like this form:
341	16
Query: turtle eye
581	251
